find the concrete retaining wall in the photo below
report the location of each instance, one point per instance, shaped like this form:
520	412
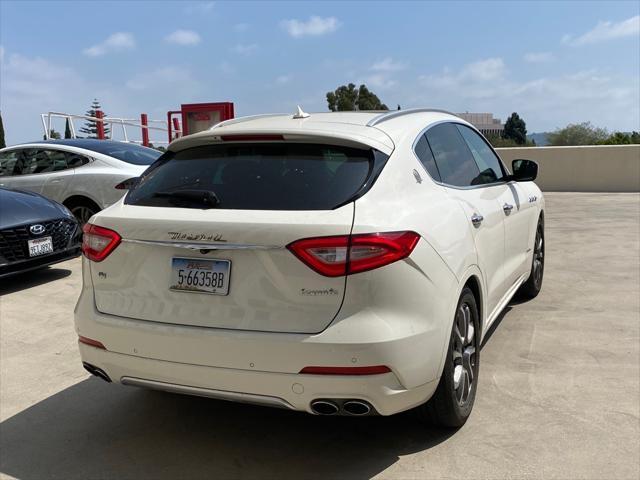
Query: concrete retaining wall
598	168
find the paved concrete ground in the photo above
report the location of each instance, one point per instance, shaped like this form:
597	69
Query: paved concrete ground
558	396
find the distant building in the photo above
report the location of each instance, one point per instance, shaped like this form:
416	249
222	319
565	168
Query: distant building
484	122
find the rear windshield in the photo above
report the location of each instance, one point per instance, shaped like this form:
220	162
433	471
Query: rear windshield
267	176
127	152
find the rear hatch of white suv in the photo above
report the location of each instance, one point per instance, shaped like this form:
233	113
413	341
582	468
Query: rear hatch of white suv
202	239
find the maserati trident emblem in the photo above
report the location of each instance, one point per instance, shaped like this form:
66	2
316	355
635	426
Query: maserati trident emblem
37	229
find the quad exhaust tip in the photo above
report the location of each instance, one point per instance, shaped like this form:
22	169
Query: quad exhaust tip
98	372
356	408
324	407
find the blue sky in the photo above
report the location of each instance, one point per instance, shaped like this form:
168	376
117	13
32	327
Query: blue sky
552	62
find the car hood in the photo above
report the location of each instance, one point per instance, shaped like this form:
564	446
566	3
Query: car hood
18	207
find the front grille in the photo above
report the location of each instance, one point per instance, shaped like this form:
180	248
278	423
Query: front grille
13	241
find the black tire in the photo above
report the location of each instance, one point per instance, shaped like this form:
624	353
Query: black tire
531	288
451	404
83	209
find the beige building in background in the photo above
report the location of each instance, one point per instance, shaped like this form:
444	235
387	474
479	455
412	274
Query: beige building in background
484	122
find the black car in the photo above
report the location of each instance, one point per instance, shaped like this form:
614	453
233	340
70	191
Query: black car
34	232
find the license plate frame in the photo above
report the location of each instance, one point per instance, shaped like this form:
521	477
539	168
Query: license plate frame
40	246
195	282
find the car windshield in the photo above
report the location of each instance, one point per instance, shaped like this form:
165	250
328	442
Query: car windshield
276	176
127	152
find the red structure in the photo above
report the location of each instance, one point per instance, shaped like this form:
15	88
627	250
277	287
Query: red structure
197	117
191	118
100	125
144	122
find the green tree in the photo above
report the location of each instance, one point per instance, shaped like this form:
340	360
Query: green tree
53	135
91	127
2	142
577	134
621	138
499	142
67	129
348	98
515	129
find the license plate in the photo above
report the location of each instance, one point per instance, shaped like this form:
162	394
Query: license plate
200	276
40	246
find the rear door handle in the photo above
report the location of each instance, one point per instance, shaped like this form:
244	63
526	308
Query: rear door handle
476	219
507	208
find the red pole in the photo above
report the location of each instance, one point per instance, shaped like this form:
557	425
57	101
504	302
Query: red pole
176	127
145	131
100	125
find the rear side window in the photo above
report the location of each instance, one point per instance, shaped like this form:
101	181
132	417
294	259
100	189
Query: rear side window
455	162
28	162
267	176
487	161
7	163
423	152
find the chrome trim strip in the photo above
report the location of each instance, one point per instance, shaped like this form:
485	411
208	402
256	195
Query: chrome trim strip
238	397
398	113
203	246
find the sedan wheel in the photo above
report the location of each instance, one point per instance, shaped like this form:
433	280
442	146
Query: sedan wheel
82	213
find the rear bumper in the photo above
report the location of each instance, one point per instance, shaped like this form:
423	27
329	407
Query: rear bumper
409	338
292	391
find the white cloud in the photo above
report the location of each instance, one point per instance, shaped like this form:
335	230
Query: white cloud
35	85
241	27
544	102
379	81
227	68
315	26
1	53
183	37
606	31
242	49
539	57
200	7
168	75
388	65
115	42
283	79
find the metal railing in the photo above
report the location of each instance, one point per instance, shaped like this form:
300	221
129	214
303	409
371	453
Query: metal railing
144	124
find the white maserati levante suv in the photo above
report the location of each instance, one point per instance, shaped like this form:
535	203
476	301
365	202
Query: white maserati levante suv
82	174
334	263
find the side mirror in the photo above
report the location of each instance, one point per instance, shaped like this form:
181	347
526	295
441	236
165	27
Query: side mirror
524	170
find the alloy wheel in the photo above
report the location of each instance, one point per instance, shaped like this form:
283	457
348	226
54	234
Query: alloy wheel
464	353
82	214
538	257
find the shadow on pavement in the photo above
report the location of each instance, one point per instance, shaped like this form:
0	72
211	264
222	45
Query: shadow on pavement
24	281
99	430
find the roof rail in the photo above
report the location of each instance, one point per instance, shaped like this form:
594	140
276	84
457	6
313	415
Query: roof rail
233	121
398	113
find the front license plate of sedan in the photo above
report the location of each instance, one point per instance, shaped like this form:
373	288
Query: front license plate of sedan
200	276
40	246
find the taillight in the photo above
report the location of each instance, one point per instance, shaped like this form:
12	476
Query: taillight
91	342
127	184
98	242
347	254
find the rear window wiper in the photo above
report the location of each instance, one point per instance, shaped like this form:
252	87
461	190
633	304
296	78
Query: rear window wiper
205	198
